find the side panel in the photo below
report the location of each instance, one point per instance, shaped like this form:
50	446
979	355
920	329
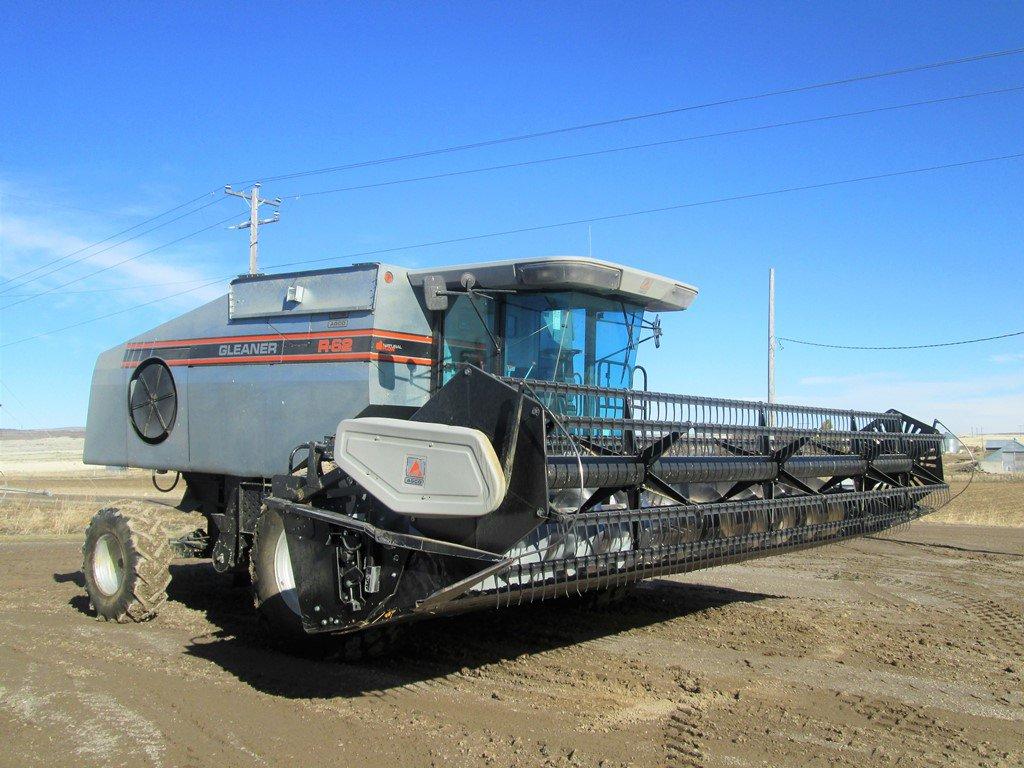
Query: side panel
349	289
107	422
245	419
250	390
399	306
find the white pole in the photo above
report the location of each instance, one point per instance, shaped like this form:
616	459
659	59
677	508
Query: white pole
254	225
771	335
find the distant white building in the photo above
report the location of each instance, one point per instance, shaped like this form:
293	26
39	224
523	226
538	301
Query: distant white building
1009	457
994	444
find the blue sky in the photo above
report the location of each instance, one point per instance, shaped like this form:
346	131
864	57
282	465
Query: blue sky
119	113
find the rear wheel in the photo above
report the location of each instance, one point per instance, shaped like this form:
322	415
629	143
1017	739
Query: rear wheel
277	601
126	562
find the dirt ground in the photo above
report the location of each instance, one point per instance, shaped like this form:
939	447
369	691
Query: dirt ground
903	650
900	652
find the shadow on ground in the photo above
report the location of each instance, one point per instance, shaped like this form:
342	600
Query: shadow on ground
426	650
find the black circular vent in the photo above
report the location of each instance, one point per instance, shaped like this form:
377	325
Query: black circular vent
152	401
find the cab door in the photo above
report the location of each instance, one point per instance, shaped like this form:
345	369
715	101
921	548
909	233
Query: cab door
469	328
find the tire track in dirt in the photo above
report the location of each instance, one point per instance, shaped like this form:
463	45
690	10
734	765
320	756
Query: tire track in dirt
683	733
906	735
1006	626
684	674
546	664
904	732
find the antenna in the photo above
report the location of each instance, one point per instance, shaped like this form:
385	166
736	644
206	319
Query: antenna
253	224
771	335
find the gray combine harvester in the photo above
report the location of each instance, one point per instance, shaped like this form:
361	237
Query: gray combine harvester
485	445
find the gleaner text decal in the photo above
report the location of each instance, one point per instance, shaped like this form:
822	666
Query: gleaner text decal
251	348
359	345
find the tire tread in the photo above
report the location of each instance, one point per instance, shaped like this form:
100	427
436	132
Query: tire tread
146	536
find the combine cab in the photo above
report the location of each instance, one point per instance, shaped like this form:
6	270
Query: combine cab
375	445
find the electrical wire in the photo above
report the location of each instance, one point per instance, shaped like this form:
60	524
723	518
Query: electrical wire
974	465
34	201
119	263
17	399
662	209
538	134
112	288
94	254
654	144
468	238
905	346
539	161
107	239
643	116
112	314
613	150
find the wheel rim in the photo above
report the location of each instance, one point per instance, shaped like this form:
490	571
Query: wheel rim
283	574
107	564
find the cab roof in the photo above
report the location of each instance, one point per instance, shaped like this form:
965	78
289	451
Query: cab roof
566	273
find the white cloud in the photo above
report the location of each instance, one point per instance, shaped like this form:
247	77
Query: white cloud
28	243
1011	357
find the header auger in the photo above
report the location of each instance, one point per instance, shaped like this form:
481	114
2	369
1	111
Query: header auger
485	444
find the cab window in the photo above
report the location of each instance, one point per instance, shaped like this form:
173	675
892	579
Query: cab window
466	339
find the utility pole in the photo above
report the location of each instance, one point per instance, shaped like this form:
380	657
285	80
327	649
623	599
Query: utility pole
253	224
771	335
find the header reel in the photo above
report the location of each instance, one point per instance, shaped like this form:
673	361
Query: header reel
585	487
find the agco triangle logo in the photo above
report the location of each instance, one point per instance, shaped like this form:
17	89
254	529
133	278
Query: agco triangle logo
415	470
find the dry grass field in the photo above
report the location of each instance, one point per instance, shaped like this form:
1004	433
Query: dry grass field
57	494
897	651
988	500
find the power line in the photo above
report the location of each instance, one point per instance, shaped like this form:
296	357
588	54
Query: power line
653	144
612	150
550	132
643	116
12	393
906	346
111	288
566	129
7	410
51	204
119	263
18	399
663	209
111	314
110	237
104	250
468	238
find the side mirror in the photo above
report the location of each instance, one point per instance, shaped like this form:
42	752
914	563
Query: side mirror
435	293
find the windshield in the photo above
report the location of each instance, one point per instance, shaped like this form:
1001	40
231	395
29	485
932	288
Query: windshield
571	337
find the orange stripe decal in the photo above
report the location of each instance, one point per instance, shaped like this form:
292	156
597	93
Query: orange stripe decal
351	357
355	345
355	333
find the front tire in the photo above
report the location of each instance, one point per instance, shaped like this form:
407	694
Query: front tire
126	562
277	602
273	581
